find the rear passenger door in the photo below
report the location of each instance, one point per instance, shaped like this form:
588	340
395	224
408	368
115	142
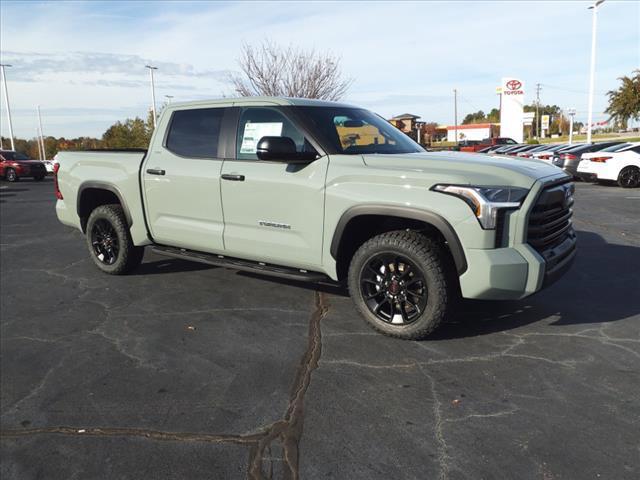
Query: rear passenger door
181	180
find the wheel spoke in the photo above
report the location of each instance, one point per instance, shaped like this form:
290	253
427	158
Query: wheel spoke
403	312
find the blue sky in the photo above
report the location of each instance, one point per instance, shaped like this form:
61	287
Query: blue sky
83	62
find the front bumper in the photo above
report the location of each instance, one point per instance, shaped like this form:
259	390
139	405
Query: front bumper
532	258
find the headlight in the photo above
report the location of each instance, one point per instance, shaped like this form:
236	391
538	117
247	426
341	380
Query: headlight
486	202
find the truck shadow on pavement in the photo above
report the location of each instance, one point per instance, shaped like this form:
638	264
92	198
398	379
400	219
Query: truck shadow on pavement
580	297
600	287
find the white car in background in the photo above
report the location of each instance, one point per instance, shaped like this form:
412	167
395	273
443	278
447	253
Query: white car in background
619	163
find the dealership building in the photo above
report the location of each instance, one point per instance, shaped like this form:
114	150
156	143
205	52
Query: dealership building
472	131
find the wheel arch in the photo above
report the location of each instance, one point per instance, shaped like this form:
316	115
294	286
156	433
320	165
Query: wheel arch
349	235
93	194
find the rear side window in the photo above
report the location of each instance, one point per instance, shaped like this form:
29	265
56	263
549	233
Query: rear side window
195	133
636	149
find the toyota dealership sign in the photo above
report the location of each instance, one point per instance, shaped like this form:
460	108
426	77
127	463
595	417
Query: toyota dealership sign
511	113
513	87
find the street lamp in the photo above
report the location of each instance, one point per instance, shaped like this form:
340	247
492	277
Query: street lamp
153	92
571	112
41	136
593	7
6	100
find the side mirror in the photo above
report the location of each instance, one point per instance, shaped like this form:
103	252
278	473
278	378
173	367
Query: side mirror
282	149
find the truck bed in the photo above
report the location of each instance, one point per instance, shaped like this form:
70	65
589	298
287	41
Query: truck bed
116	168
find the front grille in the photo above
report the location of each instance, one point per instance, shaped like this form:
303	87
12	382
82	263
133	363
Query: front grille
550	230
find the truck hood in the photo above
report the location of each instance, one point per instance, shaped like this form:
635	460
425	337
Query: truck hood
466	168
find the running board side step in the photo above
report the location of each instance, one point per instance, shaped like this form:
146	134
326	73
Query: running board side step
242	265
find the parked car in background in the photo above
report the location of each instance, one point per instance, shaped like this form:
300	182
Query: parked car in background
520	149
569	160
528	153
619	163
15	165
488	142
546	155
504	149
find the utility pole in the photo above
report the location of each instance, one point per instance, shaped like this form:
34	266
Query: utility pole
572	113
153	92
593	7
538	119
455	112
6	101
41	136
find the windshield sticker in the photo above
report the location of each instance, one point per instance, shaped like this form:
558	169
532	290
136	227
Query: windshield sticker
253	132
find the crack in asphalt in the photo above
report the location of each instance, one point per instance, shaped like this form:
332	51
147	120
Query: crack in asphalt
287	430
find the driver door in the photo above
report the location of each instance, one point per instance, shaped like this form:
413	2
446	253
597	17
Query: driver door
273	211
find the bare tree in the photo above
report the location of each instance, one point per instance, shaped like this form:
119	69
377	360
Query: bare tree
273	70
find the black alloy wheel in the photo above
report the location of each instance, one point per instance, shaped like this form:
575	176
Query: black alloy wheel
393	288
629	177
104	239
11	175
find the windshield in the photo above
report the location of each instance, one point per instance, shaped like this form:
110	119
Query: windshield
14	156
354	131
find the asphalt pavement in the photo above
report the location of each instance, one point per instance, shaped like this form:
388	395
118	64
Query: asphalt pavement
184	371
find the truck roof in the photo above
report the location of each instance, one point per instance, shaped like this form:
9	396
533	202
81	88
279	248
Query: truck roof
243	101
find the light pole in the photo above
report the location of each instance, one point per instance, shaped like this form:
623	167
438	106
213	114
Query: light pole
41	136
6	101
593	7
572	113
455	112
153	93
168	97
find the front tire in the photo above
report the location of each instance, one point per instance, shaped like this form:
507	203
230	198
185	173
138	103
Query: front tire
402	284
109	241
629	177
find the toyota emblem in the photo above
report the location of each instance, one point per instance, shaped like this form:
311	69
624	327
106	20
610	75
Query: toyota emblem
514	84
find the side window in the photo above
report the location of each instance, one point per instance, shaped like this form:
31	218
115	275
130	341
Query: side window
258	122
195	133
636	149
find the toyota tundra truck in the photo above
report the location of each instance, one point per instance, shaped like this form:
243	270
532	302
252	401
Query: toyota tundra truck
321	191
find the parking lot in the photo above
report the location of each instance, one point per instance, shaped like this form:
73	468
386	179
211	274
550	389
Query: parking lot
185	371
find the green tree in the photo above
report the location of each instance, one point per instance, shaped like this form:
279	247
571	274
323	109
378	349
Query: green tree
554	111
132	133
477	117
494	116
624	103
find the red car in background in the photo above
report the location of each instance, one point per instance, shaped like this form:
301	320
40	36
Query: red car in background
15	165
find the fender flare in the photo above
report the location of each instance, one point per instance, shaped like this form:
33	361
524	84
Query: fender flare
103	186
433	219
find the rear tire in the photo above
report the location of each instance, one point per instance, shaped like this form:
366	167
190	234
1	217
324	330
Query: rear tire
402	283
109	241
629	177
11	175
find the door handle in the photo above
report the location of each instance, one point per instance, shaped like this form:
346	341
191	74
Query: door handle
234	177
155	171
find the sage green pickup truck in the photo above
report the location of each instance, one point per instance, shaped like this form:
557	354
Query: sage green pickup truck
321	191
